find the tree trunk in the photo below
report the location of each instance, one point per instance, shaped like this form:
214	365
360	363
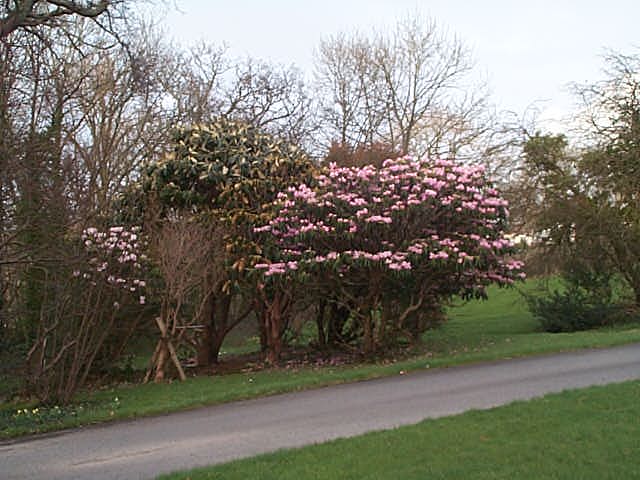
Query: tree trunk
274	350
261	320
367	334
274	330
338	318
216	346
320	320
216	328
205	346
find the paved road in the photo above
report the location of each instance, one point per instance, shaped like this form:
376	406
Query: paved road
147	447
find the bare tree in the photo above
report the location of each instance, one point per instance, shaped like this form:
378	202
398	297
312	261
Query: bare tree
27	14
410	89
194	81
422	69
204	83
105	107
270	97
77	121
352	108
184	250
117	120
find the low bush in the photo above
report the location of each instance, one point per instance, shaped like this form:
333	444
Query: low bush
584	300
573	310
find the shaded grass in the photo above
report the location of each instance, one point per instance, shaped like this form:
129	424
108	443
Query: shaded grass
477	331
587	434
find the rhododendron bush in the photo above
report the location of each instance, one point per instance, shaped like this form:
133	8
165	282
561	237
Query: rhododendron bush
227	174
93	305
390	244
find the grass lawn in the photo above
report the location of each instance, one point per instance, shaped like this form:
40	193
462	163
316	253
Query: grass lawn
498	328
589	433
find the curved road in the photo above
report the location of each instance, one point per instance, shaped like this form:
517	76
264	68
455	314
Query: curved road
147	447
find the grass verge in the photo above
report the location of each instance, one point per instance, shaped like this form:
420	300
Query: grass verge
477	331
588	434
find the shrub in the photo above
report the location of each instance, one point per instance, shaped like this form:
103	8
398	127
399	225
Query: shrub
227	173
389	244
572	310
85	302
587	300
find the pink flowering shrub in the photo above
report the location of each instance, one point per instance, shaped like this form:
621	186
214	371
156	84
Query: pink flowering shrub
93	304
115	257
391	243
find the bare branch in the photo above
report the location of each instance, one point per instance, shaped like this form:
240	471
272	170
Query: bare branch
31	13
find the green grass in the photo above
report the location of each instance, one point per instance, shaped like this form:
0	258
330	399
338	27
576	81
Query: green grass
590	433
477	331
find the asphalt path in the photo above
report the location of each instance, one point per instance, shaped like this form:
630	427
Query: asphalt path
148	447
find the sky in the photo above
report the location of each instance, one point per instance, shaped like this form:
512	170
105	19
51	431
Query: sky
529	51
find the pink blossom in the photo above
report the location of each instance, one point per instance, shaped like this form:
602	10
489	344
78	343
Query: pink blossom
378	219
355	197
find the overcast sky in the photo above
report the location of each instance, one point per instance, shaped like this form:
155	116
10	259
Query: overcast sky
528	50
